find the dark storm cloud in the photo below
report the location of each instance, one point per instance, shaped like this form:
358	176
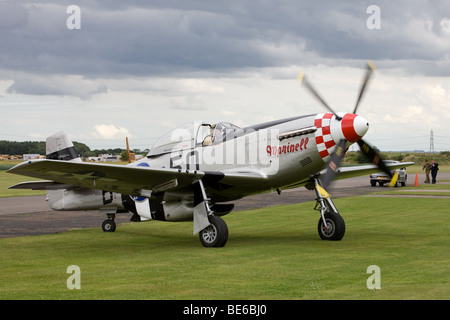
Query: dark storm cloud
152	38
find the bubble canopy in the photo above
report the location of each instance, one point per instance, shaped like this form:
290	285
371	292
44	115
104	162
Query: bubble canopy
191	135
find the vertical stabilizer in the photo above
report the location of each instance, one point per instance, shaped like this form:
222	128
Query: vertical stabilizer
60	147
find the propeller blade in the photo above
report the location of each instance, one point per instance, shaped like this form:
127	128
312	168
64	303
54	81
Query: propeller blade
302	79
369	72
333	164
373	156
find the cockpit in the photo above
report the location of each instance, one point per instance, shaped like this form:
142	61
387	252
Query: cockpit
217	133
191	135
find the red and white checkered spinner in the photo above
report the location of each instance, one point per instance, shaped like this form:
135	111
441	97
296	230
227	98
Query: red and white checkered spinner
331	130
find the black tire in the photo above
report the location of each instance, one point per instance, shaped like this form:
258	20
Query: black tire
109	226
336	227
216	234
403	183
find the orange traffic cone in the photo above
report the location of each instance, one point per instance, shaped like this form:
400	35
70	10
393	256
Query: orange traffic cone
416	183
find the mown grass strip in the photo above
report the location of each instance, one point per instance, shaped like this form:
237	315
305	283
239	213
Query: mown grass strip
272	253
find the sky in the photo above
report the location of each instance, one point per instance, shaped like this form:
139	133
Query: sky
106	70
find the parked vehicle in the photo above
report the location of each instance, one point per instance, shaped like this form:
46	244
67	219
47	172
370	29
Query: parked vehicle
382	178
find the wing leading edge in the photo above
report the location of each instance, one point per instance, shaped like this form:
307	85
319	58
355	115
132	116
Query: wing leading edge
131	180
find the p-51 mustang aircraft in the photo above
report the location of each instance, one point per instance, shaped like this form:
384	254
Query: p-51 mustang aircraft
194	171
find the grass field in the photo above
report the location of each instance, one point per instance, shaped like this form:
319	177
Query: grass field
7	180
272	253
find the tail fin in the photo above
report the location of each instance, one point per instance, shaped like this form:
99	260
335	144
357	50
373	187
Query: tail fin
60	147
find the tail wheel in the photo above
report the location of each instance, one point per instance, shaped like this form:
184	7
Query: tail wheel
216	234
335	229
109	225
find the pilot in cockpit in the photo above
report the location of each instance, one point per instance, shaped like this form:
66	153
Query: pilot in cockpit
209	138
216	135
219	133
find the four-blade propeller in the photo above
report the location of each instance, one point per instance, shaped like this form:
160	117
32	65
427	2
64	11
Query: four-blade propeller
339	153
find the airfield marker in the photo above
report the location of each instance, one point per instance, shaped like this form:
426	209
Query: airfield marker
416	183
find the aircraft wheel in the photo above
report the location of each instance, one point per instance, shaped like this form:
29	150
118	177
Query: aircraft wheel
216	234
335	224
109	226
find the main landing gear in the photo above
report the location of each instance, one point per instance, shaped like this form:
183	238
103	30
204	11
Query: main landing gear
216	234
331	225
213	231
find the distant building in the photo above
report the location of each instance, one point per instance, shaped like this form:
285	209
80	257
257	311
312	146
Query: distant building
109	157
104	158
31	156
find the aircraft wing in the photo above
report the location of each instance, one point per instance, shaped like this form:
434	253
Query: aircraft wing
41	185
356	171
141	181
131	180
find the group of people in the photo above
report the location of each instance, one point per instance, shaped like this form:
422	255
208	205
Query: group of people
432	168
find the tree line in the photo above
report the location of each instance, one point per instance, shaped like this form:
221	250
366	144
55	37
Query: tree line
38	147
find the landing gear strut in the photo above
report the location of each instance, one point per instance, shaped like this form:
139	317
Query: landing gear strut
213	231
331	225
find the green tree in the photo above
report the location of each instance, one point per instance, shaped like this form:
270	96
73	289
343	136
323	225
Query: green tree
124	155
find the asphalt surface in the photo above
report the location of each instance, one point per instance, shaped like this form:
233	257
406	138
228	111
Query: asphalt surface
25	216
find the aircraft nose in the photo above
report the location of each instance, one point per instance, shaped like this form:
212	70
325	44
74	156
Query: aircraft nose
354	127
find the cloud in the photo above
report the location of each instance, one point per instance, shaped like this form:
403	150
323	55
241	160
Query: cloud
55	85
110	131
141	39
136	64
12	15
4	85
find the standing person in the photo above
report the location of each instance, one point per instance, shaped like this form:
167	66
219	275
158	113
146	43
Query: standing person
434	170
427	167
